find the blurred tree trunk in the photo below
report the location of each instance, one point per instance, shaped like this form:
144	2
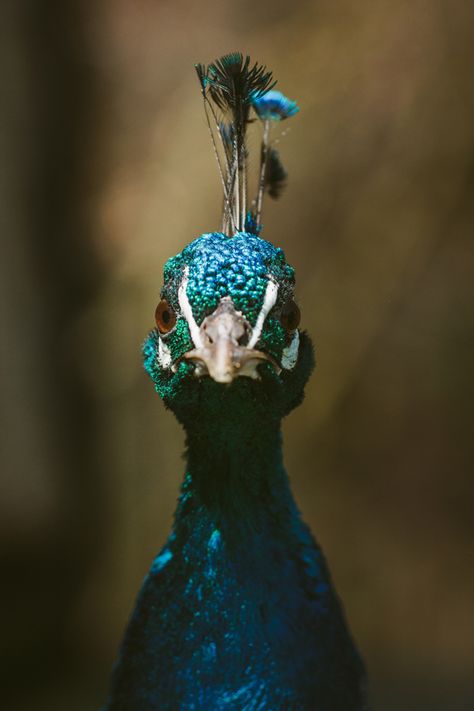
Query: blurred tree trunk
48	273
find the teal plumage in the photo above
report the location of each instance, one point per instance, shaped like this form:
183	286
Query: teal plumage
238	610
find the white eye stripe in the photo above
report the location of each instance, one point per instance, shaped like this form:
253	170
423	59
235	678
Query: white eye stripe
187	311
269	301
164	354
290	353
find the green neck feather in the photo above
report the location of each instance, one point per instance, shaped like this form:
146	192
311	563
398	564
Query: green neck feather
237	473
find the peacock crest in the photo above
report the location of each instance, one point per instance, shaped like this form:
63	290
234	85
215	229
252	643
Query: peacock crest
237	94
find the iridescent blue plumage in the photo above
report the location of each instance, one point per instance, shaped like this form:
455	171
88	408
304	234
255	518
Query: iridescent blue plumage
274	106
238	611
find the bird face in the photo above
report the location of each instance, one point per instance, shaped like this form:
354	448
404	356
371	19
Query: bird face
227	315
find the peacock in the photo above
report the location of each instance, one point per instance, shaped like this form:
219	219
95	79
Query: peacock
238	611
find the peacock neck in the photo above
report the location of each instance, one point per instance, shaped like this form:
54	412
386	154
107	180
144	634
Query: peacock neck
235	478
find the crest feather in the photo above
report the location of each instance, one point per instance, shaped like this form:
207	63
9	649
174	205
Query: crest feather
232	88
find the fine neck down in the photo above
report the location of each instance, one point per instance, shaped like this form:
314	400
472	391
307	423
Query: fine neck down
236	478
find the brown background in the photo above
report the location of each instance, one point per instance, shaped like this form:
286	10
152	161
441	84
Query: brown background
106	171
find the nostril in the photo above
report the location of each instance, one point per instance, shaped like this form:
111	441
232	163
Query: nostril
244	338
207	336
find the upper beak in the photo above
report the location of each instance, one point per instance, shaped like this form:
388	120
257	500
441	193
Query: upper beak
223	354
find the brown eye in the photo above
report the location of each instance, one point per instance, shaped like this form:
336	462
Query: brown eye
290	316
165	317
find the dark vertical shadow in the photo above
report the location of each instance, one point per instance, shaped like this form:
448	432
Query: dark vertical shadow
43	573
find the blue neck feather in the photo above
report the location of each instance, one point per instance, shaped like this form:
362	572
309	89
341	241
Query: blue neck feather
238	611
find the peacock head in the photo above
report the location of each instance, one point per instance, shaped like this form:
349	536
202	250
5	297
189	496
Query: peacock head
226	338
227	329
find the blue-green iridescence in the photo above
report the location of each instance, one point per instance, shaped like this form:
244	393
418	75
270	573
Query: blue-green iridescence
238	612
275	106
237	267
218	266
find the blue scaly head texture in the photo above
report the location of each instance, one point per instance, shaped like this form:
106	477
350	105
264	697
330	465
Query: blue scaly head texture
239	268
238	611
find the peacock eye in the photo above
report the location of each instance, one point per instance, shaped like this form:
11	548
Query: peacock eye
290	316
165	317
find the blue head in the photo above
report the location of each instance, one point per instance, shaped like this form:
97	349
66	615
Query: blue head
227	339
227	327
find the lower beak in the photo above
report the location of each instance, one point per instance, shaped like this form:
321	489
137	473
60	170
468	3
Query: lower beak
222	353
224	361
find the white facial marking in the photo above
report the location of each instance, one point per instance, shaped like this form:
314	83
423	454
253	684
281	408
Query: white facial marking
290	353
268	303
164	354
187	311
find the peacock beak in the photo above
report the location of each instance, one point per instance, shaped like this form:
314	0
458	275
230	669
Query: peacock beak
223	354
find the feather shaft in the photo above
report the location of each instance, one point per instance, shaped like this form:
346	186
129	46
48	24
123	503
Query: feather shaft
263	167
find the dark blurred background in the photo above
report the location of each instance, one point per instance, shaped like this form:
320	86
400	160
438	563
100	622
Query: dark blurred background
106	171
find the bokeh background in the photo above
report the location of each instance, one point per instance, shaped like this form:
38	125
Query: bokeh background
107	171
